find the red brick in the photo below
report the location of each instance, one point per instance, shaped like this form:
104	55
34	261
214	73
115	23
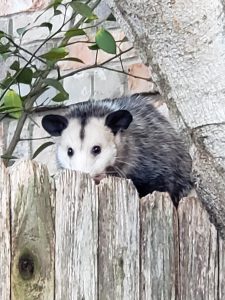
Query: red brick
81	51
136	85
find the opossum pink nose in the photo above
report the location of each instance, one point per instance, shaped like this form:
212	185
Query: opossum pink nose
98	178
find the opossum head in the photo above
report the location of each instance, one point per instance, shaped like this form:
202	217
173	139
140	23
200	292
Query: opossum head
90	144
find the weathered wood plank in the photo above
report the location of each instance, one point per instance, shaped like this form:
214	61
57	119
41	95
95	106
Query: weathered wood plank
76	226
4	234
32	232
159	248
118	260
221	273
199	253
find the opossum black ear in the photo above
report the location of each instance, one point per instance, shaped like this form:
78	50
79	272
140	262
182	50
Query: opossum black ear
118	120
54	124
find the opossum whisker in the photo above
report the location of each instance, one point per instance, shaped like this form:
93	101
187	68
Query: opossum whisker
125	162
114	172
120	172
110	172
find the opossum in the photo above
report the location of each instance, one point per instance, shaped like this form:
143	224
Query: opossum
125	137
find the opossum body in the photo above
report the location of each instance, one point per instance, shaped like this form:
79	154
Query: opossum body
124	137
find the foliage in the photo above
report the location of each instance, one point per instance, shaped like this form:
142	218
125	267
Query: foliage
36	70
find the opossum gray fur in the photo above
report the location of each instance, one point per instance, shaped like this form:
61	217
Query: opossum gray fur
124	137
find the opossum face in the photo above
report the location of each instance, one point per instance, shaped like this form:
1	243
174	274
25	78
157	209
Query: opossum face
88	145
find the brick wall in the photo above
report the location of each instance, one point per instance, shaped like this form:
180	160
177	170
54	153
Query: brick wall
91	84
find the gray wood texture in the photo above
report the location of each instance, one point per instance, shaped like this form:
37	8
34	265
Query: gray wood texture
184	43
159	248
119	238
5	249
76	225
199	253
73	240
32	234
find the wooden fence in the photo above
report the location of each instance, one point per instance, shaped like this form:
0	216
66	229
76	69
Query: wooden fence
65	239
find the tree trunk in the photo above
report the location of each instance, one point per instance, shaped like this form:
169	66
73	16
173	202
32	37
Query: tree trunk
184	43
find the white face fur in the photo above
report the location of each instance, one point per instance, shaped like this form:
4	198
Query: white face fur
88	145
92	154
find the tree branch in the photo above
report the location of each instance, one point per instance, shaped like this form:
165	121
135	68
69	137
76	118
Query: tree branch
37	90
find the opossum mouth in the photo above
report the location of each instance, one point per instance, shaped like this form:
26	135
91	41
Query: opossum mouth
99	177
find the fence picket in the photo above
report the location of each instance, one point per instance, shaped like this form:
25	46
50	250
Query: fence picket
4	234
198	252
76	225
32	233
68	239
159	248
118	264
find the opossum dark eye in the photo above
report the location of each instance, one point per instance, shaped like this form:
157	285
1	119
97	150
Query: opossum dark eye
96	150
70	152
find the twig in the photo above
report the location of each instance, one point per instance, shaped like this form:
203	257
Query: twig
36	139
125	73
25	50
36	91
94	66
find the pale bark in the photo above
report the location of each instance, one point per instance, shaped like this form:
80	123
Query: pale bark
184	42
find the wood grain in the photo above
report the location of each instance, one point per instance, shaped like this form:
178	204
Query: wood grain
118	259
32	233
109	244
159	248
76	225
4	234
199	253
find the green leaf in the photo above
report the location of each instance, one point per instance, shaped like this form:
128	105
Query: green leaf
4	156
21	31
105	41
56	84
57	12
41	148
56	3
72	59
4	48
2	34
13	100
25	76
48	25
82	9
4	109
74	32
94	47
6	81
15	66
60	97
55	54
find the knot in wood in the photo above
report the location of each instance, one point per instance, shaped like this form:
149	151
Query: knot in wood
26	266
